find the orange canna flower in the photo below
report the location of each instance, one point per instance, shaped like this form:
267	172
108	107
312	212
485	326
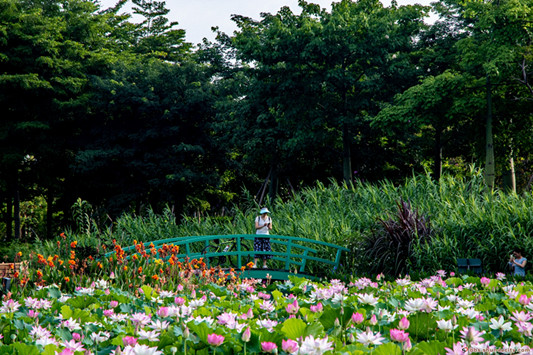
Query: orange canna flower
160	271
62	235
250	265
16	274
67	279
73	244
19	253
140	270
125	268
99	265
39	274
12	266
135	257
155	277
51	264
60	262
72	262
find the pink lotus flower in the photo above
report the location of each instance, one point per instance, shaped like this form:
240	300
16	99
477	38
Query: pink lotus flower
248	315
472	335
66	351
129	340
500	276
399	335
524	300
317	308
404	323
76	336
74	346
484	281
525	328
179	301
407	345
458	349
357	318
289	346
33	314
180	287
162	312
373	320
215	339
113	304
293	308
269	347
264	296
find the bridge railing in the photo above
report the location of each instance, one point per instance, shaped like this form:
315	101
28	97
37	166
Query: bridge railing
292	254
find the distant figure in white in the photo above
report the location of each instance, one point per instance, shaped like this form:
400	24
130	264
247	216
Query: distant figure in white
263	225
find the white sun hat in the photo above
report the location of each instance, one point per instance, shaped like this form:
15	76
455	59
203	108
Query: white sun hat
264	210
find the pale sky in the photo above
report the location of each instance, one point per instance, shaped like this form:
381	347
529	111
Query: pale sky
197	17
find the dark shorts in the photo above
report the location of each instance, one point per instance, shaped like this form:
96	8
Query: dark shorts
262	244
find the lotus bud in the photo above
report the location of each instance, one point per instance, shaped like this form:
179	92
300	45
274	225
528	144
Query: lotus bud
246	335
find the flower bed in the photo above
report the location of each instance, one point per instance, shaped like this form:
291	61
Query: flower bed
436	315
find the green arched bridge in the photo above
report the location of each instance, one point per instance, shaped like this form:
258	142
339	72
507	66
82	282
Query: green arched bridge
290	255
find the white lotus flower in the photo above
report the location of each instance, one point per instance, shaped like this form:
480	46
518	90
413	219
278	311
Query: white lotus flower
369	338
446	325
99	337
465	303
312	346
139	349
414	305
158	325
150	335
339	298
368	299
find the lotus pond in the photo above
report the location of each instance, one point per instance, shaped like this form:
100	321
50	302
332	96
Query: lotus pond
442	314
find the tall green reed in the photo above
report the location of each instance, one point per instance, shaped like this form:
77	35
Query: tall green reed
466	222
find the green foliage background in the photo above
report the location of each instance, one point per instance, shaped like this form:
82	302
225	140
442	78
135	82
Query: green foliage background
465	221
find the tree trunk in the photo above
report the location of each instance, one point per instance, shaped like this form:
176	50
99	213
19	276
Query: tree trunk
509	179
16	205
437	164
49	213
9	213
274	179
490	174
346	154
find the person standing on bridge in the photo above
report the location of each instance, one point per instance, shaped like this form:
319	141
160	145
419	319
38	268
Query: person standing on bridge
263	225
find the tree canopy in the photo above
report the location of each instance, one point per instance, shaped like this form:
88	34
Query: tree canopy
127	115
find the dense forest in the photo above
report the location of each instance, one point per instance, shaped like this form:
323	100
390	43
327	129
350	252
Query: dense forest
124	115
